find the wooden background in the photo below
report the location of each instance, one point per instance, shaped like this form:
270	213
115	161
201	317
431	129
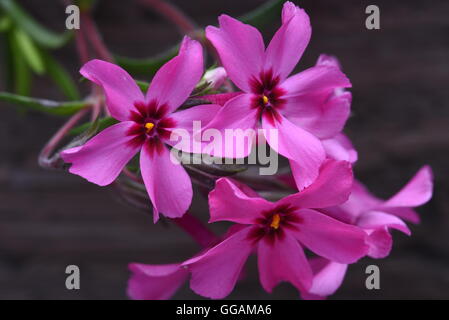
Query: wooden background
400	77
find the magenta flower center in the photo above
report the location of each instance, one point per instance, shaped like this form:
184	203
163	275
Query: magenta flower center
274	223
151	120
267	95
152	124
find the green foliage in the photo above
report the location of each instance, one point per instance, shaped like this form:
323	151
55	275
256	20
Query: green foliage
43	105
27	44
28	50
262	15
101	124
146	66
60	76
36	31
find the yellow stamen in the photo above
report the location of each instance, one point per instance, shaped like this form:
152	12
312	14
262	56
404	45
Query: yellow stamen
149	126
264	99
276	221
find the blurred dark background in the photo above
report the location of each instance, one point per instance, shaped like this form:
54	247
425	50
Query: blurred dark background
400	121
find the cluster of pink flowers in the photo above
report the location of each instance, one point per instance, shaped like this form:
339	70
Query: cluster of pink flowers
331	215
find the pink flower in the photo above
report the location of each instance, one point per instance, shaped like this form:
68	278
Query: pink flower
291	105
277	231
146	123
376	217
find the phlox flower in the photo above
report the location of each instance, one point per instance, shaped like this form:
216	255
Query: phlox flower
146	123
376	217
277	231
291	105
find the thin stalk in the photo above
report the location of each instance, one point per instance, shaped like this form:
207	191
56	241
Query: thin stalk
47	151
196	229
173	14
94	37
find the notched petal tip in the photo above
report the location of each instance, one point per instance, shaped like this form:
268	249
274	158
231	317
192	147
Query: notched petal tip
290	10
188	44
328	60
224	19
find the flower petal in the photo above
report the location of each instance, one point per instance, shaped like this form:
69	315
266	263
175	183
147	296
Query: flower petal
416	192
189	123
327	60
101	159
378	219
329	118
340	148
228	203
298	145
120	89
313	80
245	188
306	107
215	272
332	187
219	98
204	113
405	213
380	243
167	183
155	282
176	79
360	201
289	42
240	47
327	276
330	238
237	118
283	260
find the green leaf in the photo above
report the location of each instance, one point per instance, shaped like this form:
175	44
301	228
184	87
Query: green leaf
29	51
267	12
60	76
7	62
36	31
22	76
102	124
43	105
19	71
147	66
5	23
262	15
